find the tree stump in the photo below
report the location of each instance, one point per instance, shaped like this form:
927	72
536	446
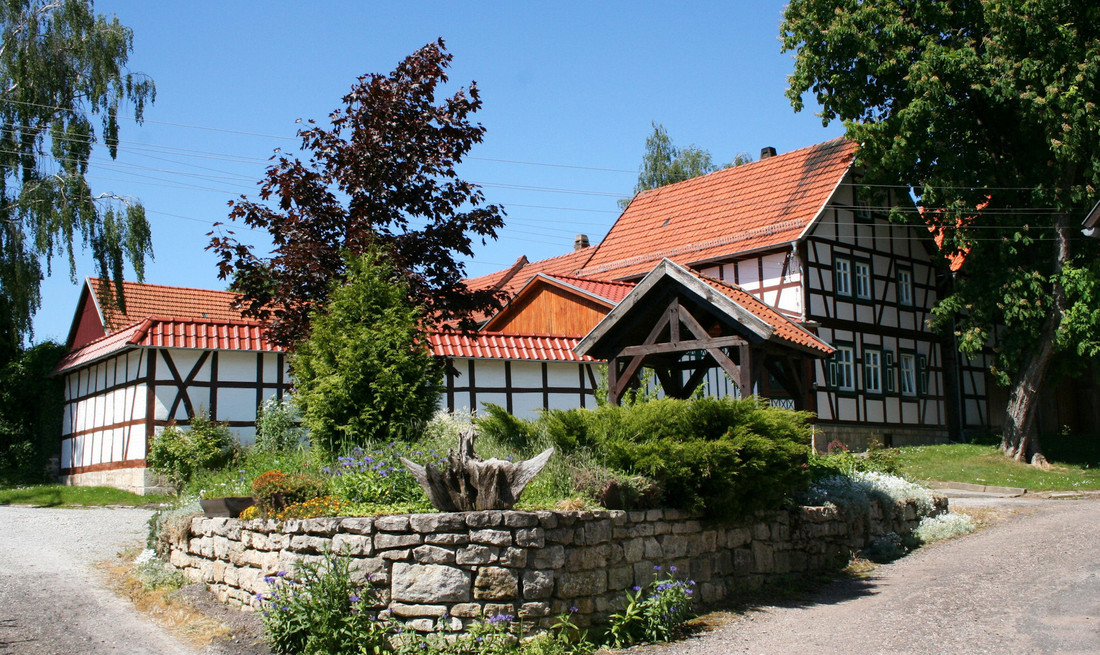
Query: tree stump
471	483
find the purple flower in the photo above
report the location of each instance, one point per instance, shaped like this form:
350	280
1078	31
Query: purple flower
672	569
500	618
637	588
270	579
354	599
281	573
574	609
657	568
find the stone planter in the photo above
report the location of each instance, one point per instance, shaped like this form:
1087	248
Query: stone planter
230	506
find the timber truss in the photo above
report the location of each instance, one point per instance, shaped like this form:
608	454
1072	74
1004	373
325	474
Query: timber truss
681	325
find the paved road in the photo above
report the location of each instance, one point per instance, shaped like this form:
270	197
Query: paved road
1030	584
51	599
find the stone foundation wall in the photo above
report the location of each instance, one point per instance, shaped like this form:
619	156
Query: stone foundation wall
858	438
531	564
139	480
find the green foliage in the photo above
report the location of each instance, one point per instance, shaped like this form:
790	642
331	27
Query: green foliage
154	573
366	373
838	460
61	64
30	413
236	476
59	495
944	526
987	111
1075	460
654	614
383	177
376	476
274	491
277	425
178	453
321	610
724	457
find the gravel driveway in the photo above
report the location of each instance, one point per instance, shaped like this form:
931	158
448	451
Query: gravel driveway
52	601
1028	585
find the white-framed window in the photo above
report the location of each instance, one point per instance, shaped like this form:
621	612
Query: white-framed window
872	371
907	374
843	269
905	286
862	279
841	369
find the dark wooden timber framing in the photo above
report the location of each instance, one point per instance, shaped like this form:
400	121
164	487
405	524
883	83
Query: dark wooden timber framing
678	332
470	388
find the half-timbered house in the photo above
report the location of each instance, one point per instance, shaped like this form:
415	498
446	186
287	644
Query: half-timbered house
174	353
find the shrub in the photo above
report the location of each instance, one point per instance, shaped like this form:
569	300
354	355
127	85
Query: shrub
654	614
724	457
944	526
855	492
31	403
277	427
366	372
275	491
178	454
321	610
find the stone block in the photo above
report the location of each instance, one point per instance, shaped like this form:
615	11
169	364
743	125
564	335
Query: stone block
475	554
674	546
534	610
547	519
352	544
432	523
396	523
386	541
581	584
514	558
325	526
433	555
421	625
763	557
520	519
408	611
561	535
538	585
357	525
429	583
397	555
447	538
531	537
597	532
466	610
491	537
496	583
484	519
369	569
633	550
620	577
550	557
653	550
496	609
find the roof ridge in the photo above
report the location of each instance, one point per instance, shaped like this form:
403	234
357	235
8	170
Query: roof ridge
165	286
742	168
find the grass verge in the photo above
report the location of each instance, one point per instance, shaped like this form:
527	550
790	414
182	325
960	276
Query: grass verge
1075	465
160	604
59	495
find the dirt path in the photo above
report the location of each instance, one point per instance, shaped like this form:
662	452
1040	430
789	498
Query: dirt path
1030	584
53	601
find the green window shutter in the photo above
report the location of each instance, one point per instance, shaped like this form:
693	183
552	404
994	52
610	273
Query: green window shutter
922	374
831	374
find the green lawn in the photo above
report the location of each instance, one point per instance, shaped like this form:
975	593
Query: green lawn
1075	460
56	495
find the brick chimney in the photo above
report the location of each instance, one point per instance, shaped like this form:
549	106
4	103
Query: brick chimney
767	151
581	242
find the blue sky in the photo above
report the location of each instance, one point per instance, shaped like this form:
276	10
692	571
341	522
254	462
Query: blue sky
569	92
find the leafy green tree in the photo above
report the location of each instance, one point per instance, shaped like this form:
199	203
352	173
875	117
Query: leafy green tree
663	163
383	177
366	371
30	412
60	64
988	112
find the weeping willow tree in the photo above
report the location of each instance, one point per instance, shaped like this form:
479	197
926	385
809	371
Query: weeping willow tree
62	69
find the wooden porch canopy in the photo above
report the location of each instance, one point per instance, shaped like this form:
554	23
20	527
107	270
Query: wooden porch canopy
681	324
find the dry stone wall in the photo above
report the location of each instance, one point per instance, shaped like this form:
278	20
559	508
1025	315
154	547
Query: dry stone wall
532	564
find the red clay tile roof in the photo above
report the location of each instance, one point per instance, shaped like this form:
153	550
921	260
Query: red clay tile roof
608	290
494	345
566	264
765	203
145	300
162	332
784	327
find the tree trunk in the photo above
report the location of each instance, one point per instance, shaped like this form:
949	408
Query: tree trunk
1021	433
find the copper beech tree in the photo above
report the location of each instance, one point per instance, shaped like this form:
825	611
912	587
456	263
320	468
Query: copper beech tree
383	177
